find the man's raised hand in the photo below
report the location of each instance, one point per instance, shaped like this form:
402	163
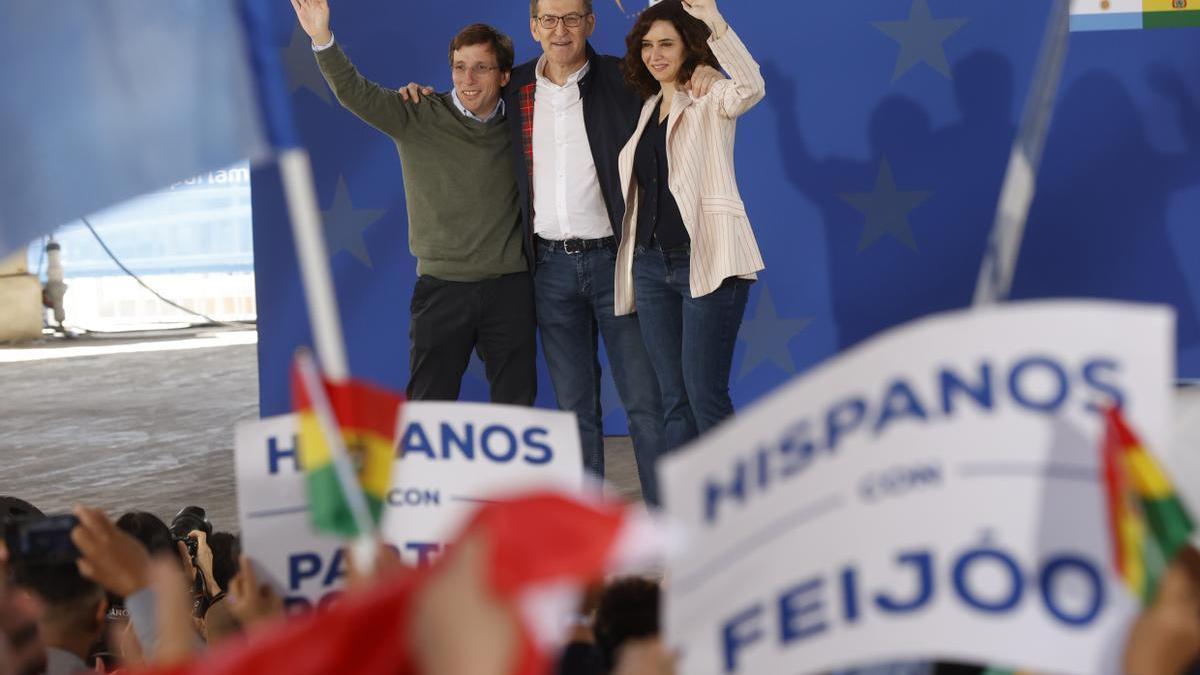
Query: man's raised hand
314	19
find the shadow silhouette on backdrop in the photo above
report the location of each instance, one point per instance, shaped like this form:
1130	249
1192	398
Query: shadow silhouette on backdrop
905	228
1098	227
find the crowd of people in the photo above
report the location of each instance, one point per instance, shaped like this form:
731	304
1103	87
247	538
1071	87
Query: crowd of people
138	595
86	593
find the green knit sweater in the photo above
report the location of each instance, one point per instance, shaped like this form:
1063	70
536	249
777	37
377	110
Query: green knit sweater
463	214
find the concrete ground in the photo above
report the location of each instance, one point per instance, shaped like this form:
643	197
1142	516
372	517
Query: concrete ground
144	422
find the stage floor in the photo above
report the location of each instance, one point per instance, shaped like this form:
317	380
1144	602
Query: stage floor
145	422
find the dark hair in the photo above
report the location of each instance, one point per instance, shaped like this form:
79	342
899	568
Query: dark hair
483	34
71	600
628	610
15	507
150	530
533	7
225	550
692	31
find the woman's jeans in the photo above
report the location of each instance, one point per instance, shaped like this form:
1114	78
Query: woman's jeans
690	340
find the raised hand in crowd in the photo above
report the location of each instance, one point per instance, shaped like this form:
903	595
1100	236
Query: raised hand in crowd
314	19
204	560
1165	640
461	628
108	556
176	638
252	602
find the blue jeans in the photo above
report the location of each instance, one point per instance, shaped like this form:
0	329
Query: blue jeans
573	295
690	340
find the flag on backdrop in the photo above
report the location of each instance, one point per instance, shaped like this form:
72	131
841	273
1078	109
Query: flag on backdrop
1147	521
366	416
105	101
1133	14
538	544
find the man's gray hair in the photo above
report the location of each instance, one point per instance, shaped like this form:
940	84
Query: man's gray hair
533	7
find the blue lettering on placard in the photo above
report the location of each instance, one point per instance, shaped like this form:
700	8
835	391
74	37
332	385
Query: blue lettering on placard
899	481
922	563
1081	567
504	449
275	454
999	559
842	419
302	566
798	612
298	604
796	449
465	443
1019	389
413	497
953	388
424	550
415	440
715	491
850	594
736	637
534	438
801	611
306	565
899	402
496	443
1095	374
1035	383
337	568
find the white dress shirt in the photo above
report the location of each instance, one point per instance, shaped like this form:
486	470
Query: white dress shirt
567	203
498	110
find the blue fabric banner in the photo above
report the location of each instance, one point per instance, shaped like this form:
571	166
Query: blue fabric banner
104	101
870	173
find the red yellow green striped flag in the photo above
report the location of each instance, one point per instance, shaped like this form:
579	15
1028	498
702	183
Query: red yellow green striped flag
1148	523
351	503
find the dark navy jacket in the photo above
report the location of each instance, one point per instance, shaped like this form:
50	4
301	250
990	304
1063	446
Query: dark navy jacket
610	114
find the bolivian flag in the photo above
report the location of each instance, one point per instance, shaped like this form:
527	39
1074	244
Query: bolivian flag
366	417
1148	522
1087	15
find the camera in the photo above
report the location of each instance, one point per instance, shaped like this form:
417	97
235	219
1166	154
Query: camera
37	541
188	519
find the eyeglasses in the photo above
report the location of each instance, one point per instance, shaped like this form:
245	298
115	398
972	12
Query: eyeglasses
572	20
479	69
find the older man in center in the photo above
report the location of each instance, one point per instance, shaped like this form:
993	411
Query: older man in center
571	114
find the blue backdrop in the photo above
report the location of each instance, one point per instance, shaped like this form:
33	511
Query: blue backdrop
870	172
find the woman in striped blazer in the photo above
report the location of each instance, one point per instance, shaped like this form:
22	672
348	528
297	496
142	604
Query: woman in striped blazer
687	254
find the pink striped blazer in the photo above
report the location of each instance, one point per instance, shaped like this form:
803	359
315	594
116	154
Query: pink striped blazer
700	136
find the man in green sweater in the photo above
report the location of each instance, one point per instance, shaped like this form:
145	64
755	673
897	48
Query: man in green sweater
474	289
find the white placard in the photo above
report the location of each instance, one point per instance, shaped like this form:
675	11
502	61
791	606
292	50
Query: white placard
932	493
450	457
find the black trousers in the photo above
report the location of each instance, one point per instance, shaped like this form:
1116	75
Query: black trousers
494	317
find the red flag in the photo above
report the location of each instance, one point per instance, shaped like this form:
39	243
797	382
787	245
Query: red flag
536	542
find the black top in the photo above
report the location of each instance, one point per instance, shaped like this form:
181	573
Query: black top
610	115
658	214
